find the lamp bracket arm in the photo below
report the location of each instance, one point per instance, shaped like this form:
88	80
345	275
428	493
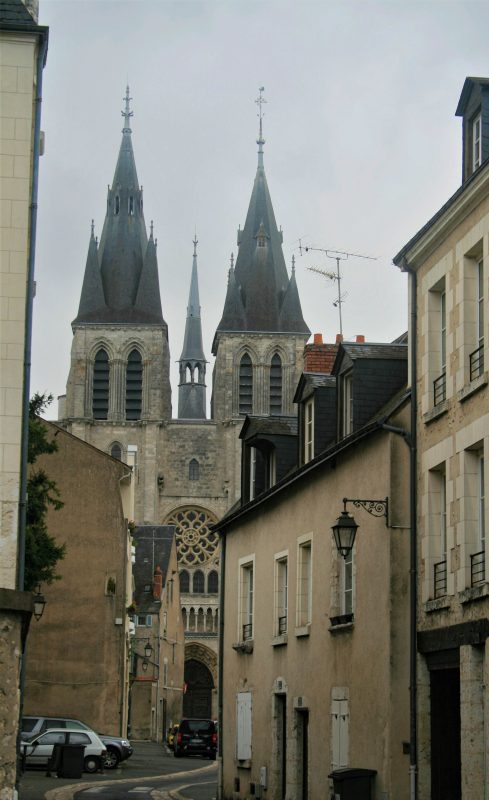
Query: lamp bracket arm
377	508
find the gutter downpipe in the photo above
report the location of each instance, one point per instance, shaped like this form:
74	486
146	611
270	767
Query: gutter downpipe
220	668
413	687
41	58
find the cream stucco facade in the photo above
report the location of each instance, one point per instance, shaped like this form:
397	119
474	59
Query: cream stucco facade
322	681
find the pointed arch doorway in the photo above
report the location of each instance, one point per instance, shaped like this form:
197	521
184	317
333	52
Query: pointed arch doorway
197	700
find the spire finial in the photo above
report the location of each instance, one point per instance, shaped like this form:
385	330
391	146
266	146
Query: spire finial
195	243
127	113
232	260
151	229
293	265
92	228
260	141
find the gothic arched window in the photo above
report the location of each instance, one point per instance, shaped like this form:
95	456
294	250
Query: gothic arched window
100	401
193	470
134	385
198	583
213	582
245	385
116	451
184	581
276	385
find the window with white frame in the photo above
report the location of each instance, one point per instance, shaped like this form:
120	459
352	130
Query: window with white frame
304	583
346	584
253	455
340	725
437	341
481	501
475	514
308	430
476	142
438	528
246	598
473	314
480	303
144	620
281	594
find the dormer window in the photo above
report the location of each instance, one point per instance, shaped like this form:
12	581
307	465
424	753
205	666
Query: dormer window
308	430
347	403
476	142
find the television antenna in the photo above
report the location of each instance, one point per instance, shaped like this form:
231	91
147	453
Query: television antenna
337	255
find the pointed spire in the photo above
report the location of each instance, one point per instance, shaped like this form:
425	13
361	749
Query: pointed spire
192	346
232	261
92	229
191	390
127	113
260	141
290	317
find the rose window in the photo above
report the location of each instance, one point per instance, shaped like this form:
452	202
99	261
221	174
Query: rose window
195	542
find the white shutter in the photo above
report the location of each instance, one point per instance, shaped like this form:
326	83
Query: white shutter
339	733
243	726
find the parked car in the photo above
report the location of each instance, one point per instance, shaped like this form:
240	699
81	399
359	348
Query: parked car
196	737
118	749
37	750
170	736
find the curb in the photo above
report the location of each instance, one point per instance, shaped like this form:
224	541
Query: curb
67	792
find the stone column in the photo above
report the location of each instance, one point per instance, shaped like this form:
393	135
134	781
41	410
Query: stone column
117	389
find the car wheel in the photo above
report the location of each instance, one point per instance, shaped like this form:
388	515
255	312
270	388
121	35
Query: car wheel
91	764
112	758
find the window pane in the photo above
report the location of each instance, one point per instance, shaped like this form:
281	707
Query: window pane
100	401
134	385
276	385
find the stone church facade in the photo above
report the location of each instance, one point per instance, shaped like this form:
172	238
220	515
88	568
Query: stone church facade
118	394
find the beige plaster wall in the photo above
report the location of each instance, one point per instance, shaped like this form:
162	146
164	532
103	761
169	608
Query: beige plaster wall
369	659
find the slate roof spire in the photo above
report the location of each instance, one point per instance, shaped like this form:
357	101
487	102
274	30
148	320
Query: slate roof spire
259	283
121	277
191	389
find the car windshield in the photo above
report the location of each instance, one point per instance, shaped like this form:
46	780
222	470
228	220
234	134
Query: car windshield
199	726
28	724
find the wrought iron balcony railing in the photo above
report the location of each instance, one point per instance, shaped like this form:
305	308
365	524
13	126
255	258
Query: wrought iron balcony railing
282	625
440	389
476	361
247	631
478	568
440	578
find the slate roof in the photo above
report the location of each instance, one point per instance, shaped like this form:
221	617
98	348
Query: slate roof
153	549
469	84
193	349
309	381
14	12
260	295
269	426
121	275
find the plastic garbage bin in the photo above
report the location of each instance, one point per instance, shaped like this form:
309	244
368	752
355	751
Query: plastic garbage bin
71	762
353	783
54	760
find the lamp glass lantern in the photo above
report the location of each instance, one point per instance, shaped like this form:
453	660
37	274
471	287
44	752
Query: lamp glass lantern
39	604
148	650
344	532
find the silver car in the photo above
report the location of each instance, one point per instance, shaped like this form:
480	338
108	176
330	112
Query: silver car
38	750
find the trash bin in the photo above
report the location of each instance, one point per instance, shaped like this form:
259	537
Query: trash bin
353	783
71	761
54	760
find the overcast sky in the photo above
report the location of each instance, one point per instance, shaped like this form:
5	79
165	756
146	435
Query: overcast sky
362	146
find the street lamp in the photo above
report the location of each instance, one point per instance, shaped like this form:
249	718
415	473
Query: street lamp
148	650
345	528
39	604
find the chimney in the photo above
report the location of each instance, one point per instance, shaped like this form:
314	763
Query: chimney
157	583
319	357
360	338
339	338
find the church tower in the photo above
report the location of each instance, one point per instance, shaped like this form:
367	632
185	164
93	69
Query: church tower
119	376
260	339
191	389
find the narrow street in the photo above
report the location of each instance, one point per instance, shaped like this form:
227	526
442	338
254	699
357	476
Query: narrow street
152	773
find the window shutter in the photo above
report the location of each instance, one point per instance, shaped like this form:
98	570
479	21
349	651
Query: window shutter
243	726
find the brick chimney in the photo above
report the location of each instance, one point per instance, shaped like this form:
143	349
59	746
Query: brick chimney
157	583
319	357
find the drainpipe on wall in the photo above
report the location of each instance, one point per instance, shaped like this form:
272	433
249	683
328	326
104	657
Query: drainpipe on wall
220	665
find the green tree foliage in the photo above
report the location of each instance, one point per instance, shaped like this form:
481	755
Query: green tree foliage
42	553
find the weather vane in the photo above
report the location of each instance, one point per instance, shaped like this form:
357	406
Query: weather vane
127	113
260	141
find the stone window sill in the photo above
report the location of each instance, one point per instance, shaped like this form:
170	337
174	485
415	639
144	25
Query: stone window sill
435	412
244	647
474	386
474	593
303	630
244	763
341	623
437	605
278	641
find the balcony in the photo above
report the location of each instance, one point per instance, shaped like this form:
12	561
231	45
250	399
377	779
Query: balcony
478	568
440	389
282	625
440	579
247	631
476	362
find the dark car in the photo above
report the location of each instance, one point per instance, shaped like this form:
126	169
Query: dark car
118	749
196	737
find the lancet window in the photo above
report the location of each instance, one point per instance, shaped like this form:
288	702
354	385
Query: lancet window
100	400
134	385
276	385
245	385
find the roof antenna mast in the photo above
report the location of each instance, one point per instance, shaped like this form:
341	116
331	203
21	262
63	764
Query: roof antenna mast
338	255
260	141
